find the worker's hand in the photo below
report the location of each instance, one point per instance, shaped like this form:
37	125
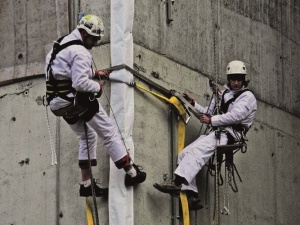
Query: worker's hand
98	95
205	119
189	99
102	74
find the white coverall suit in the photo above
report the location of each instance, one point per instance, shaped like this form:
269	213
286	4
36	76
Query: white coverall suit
75	63
194	156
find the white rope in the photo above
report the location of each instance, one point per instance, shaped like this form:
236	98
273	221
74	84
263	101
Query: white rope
216	210
53	152
225	209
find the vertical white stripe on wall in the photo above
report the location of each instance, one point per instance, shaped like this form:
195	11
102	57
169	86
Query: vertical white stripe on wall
122	103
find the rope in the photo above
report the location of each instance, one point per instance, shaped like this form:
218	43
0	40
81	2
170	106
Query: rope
215	21
225	209
53	152
216	204
112	111
212	97
91	175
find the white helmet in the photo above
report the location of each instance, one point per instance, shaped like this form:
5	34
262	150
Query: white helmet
236	67
93	25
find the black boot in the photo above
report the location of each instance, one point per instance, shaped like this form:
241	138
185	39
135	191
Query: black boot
139	178
168	187
87	191
171	187
180	180
193	200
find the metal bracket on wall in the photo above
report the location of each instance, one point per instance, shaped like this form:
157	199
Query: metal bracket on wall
170	3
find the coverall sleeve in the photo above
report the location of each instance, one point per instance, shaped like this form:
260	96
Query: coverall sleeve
209	110
241	108
82	74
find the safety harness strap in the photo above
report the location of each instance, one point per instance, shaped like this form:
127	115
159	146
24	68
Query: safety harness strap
224	106
57	47
59	88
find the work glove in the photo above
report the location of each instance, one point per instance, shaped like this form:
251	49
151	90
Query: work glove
124	79
131	83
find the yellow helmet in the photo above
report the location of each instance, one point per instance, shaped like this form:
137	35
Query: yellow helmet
92	24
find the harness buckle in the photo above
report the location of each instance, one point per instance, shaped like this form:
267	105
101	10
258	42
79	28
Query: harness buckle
92	97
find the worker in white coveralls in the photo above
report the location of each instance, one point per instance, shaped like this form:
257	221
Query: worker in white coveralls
238	107
71	93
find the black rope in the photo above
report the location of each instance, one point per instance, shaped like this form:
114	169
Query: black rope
91	174
207	126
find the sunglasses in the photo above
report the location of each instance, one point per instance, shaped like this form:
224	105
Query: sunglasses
236	77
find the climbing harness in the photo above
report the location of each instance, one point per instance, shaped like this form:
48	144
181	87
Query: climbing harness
56	88
82	104
228	150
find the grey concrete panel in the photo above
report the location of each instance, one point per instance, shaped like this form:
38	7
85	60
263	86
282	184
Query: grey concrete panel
29	27
206	35
28	190
273	142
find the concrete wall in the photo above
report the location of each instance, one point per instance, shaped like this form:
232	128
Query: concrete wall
182	54
205	35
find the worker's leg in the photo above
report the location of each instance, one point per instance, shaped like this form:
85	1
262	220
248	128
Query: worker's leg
106	129
115	147
194	157
87	136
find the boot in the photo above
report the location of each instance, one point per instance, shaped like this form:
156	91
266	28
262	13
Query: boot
87	191
168	187
139	178
193	200
194	204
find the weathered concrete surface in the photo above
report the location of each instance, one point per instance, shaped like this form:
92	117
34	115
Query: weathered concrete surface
38	193
180	55
29	26
27	181
206	35
268	194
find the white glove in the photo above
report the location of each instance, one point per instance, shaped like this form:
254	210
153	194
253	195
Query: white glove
124	79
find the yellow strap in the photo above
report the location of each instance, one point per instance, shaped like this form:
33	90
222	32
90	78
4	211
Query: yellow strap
173	100
89	214
183	197
161	97
181	137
